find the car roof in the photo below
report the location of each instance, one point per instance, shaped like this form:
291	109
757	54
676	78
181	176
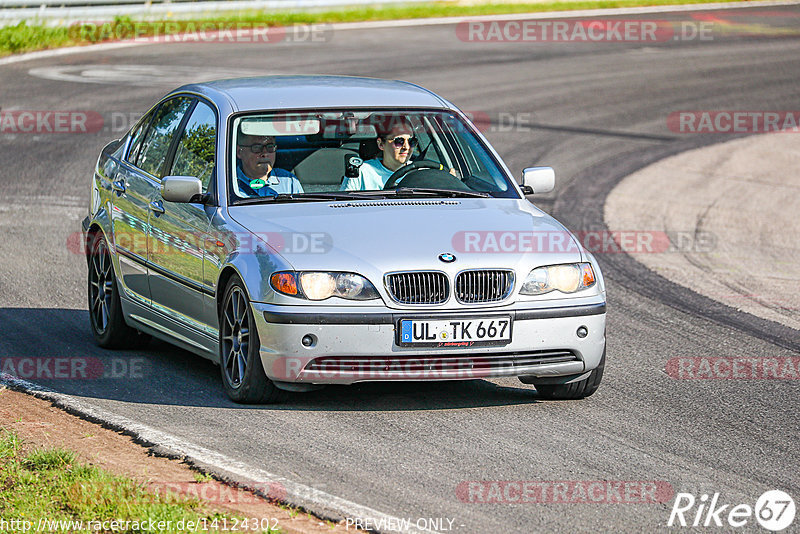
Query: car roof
297	92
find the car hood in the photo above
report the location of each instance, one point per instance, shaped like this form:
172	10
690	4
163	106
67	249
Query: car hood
375	237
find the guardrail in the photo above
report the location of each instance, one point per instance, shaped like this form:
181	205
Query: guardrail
63	3
58	12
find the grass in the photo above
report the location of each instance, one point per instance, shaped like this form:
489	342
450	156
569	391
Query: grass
25	37
202	477
53	484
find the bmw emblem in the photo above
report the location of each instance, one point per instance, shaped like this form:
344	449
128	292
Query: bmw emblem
447	257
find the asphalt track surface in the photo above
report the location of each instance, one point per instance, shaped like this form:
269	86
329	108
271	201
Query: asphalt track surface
594	111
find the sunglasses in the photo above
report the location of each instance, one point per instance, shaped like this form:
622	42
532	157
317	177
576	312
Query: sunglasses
258	148
399	141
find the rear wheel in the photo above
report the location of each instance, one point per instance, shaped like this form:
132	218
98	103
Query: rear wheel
243	376
574	390
105	309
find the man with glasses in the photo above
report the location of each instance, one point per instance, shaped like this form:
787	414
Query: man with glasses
396	142
256	171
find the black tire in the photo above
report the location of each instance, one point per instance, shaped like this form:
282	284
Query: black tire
575	390
105	309
243	376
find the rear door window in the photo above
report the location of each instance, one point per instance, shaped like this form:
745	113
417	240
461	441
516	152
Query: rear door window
158	139
197	146
137	136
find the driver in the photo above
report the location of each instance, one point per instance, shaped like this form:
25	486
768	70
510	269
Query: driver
396	142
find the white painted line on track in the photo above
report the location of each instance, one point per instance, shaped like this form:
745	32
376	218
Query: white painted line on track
440	21
583	13
44	54
136	74
312	499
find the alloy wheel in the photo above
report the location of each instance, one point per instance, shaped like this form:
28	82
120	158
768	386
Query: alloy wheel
235	337
101	280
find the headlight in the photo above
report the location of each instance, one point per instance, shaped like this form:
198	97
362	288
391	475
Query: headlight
320	285
567	278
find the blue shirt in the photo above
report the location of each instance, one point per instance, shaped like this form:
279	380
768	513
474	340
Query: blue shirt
373	175
277	181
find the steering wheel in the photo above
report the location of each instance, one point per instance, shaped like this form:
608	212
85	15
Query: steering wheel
401	173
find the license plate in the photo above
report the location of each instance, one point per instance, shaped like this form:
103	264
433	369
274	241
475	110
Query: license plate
467	332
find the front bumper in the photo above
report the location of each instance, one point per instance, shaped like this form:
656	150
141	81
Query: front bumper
362	346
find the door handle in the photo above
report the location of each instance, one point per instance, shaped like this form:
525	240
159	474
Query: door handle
118	186
157	207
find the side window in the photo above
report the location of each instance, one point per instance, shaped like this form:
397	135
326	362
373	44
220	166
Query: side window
196	148
159	137
430	143
470	159
137	137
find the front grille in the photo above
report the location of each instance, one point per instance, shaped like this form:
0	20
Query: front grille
477	286
422	287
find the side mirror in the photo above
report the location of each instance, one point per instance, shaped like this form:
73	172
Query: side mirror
538	180
182	189
111	147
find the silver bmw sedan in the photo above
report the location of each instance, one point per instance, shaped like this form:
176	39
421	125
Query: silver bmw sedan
310	230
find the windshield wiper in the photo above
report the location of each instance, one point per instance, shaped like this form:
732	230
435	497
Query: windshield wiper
283	197
359	195
439	192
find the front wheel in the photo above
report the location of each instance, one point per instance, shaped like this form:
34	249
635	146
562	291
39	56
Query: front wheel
574	390
105	309
243	376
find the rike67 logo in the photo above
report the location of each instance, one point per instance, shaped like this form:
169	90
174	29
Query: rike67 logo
774	510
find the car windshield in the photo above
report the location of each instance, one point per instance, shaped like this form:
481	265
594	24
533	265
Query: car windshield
346	154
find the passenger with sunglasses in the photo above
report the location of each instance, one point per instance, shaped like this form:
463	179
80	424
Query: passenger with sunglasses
256	171
396	142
